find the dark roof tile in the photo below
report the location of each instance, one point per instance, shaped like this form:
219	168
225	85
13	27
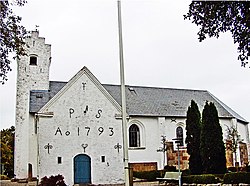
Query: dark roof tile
146	101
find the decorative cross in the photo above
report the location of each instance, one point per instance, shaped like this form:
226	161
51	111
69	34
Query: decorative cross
164	146
84	146
118	146
48	147
173	120
84	86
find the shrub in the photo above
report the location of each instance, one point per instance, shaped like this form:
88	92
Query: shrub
53	181
148	175
232	169
248	168
220	177
186	172
4	177
236	178
242	169
200	179
168	168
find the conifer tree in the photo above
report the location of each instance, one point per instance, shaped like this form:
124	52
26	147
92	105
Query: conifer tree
212	146
193	127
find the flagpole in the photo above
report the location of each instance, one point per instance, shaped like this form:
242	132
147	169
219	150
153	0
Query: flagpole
122	79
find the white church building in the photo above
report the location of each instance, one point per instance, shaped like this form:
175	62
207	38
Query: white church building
74	128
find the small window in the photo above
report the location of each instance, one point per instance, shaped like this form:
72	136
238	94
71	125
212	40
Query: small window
33	60
134	136
59	160
103	158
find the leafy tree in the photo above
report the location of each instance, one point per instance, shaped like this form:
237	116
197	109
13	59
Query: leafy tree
215	17
11	36
212	146
193	129
7	150
233	135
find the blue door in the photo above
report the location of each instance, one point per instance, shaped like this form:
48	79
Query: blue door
82	169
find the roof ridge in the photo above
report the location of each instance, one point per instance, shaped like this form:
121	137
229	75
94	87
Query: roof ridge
144	86
170	88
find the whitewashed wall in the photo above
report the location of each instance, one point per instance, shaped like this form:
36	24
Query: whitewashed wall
153	130
67	130
155	127
29	77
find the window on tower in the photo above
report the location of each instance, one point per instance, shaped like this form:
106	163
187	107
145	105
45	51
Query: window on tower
33	60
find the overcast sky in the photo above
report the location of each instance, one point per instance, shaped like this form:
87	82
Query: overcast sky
161	49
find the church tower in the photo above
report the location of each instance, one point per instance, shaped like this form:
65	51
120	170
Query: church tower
32	74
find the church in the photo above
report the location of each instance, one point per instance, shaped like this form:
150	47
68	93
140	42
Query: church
74	128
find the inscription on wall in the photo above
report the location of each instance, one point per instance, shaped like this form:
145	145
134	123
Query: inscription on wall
87	131
72	111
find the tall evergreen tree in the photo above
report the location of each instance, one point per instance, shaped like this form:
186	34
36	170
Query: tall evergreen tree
212	145
193	129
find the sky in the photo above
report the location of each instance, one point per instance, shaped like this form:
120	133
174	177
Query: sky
161	49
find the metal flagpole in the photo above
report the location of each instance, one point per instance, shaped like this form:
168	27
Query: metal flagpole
124	121
179	168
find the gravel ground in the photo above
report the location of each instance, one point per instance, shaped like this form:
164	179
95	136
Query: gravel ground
9	183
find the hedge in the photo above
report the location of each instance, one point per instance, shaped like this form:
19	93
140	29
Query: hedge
228	178
237	177
200	179
149	175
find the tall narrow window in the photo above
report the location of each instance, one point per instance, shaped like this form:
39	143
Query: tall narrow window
33	60
179	135
134	136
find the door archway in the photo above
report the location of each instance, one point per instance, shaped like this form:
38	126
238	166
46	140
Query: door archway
82	169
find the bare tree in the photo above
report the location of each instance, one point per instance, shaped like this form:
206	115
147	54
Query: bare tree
232	135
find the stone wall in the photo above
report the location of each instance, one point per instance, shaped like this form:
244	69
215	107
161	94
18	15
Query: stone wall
139	167
243	154
172	157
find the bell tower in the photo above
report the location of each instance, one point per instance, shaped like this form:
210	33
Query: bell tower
32	74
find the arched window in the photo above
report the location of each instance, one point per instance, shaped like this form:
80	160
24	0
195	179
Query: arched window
134	136
179	134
